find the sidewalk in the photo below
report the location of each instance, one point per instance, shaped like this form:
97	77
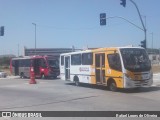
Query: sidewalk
12	77
156	77
156	74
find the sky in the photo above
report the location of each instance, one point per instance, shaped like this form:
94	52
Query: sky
67	23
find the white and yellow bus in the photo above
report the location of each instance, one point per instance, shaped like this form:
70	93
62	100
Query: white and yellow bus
117	67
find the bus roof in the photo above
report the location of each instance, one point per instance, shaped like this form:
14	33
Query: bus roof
100	49
33	57
77	52
25	57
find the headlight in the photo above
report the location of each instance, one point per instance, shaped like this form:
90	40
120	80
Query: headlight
127	76
151	75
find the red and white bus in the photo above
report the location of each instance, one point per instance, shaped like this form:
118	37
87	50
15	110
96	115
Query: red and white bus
44	66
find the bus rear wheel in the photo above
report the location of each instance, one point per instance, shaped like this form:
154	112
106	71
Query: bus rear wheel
22	75
76	81
112	86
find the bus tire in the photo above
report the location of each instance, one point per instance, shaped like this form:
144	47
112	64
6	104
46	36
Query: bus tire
55	77
112	86
76	81
22	75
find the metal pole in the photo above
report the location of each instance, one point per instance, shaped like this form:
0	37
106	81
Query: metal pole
152	42
35	37
18	50
126	21
144	28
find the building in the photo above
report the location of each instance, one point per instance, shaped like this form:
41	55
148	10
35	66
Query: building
7	56
154	55
47	51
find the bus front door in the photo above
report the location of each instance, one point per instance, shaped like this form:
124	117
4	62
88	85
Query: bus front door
16	67
100	68
36	64
67	68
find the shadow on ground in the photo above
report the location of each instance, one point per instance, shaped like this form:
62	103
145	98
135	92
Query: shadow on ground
133	90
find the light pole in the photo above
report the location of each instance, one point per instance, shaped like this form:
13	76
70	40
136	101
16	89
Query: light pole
18	50
144	28
125	20
35	37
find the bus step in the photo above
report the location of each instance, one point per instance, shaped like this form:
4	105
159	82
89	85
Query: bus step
99	83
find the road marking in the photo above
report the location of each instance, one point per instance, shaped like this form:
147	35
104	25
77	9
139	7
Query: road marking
37	82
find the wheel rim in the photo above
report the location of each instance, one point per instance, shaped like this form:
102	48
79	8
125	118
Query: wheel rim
22	75
113	86
77	83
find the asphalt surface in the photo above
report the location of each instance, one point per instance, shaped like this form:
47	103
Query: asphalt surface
56	95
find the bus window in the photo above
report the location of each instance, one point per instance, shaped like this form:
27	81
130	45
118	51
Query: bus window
13	63
97	60
76	59
114	61
28	63
53	63
43	63
87	58
135	60
62	60
20	63
100	60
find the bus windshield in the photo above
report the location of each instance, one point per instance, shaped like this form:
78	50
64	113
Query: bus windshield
135	60
53	63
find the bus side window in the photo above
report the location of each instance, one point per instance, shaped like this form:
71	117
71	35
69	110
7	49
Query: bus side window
62	60
13	63
87	58
114	61
27	63
21	63
76	59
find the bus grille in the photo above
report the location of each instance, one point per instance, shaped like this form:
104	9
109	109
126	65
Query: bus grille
140	83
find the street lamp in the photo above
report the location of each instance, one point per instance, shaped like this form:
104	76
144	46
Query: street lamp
144	27
123	3
35	37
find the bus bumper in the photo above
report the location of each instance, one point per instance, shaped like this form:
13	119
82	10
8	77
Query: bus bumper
129	83
55	74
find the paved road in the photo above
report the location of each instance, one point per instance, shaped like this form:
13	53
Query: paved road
57	95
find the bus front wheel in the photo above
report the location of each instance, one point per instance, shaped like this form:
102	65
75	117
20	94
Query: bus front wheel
112	86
